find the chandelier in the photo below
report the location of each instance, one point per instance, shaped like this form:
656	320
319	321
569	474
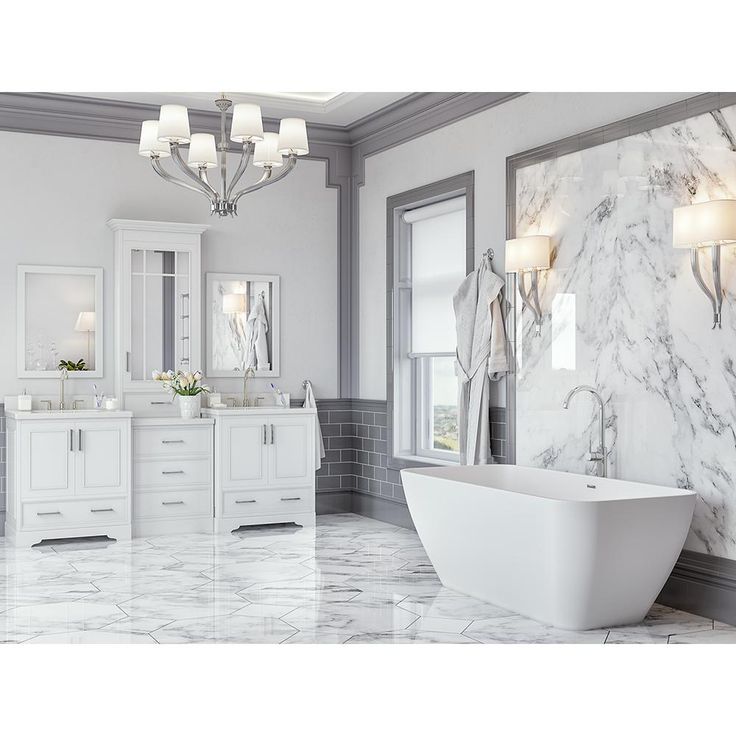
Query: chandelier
167	137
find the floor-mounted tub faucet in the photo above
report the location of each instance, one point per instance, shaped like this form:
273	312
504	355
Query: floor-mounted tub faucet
600	455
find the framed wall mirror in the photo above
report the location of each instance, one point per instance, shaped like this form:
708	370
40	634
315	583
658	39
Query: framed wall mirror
242	325
60	321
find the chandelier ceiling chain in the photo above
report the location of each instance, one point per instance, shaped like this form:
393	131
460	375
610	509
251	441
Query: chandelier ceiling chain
169	135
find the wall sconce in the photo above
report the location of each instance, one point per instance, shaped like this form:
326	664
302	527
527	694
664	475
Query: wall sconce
529	255
706	225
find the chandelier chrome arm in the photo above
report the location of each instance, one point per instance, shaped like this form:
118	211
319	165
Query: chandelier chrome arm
242	166
204	186
268	178
161	171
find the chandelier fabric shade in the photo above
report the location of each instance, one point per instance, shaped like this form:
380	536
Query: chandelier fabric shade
247	123
173	124
150	145
267	152
270	152
202	151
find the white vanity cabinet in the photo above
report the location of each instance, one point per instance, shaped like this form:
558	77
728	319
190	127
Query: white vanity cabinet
172	476
68	475
264	466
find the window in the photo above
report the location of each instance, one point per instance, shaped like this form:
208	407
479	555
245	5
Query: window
431	258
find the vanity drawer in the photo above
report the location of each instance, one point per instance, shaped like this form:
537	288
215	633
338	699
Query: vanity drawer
168	473
258	503
155	404
63	514
172	504
167	441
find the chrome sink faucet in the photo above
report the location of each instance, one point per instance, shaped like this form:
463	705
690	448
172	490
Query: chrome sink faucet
600	455
62	379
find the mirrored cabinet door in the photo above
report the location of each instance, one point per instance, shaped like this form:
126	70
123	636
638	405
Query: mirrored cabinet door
160	312
157	302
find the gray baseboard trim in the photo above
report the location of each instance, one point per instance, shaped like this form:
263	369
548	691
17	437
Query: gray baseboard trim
704	585
382	509
334	502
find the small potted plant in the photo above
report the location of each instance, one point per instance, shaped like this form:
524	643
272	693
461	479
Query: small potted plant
187	386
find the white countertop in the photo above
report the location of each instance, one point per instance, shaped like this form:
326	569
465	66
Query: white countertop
255	410
67	414
149	421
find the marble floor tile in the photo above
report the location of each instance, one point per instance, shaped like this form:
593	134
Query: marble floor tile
97	636
186	604
440	625
225	630
715	636
520	630
349	617
410	636
349	579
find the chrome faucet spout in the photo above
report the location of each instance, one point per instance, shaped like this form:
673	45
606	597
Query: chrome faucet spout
62	377
600	455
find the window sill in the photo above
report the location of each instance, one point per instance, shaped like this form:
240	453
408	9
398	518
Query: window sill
417	460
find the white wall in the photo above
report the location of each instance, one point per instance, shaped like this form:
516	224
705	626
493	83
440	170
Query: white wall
480	143
57	194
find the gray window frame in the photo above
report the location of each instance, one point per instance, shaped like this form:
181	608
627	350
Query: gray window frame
396	229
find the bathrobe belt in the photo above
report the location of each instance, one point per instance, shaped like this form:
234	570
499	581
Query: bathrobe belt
466	377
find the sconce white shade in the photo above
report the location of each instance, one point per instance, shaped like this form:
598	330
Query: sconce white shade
247	123
705	223
266	152
293	137
149	144
85	322
526	254
173	124
202	151
233	304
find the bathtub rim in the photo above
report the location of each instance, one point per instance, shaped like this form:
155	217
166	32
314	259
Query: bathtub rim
444	473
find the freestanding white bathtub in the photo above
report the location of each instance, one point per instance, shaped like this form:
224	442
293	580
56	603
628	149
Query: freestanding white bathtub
573	551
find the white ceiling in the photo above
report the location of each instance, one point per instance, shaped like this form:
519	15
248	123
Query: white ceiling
329	108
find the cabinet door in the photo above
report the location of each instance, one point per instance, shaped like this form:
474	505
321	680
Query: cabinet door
291	451
101	457
47	459
243	461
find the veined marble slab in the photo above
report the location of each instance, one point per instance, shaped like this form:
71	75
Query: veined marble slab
622	312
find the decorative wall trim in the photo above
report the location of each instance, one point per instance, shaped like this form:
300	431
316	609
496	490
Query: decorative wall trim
462	184
666	115
704	585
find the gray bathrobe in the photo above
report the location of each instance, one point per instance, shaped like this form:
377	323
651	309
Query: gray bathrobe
481	358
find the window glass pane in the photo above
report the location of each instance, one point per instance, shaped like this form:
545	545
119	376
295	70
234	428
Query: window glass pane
437	269
443	410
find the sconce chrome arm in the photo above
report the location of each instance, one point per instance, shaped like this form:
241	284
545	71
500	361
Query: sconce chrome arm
268	178
161	171
532	304
716	296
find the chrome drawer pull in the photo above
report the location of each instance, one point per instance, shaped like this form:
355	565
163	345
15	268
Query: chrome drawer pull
172	442
172	503
97	511
48	513
71	440
252	500
79	443
159	403
172	472
291	498
264	434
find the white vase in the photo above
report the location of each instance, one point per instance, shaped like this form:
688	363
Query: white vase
189	407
